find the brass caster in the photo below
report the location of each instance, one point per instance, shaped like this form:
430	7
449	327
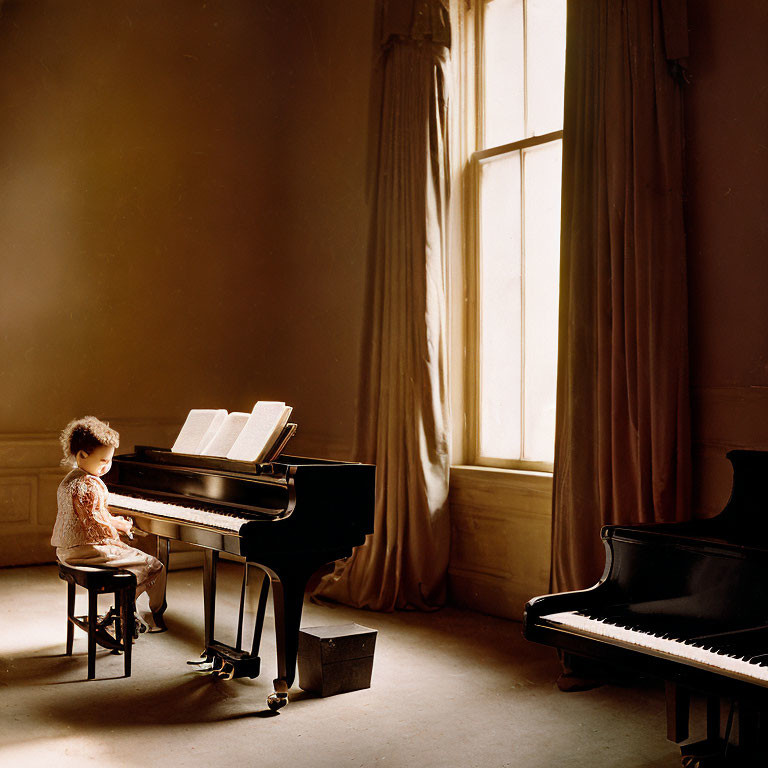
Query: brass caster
277	701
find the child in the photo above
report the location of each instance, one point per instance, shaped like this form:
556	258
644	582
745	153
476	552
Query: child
85	532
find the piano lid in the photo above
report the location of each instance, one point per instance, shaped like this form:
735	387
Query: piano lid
330	488
741	527
747	508
277	466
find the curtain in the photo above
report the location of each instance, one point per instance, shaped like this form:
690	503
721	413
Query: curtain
622	448
403	419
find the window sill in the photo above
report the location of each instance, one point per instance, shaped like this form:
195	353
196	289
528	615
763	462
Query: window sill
476	470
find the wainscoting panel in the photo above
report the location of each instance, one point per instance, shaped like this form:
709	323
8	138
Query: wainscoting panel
17	499
30	472
500	538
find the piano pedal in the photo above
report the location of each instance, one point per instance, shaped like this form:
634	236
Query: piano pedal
714	761
226	671
716	754
227	662
211	663
204	668
204	663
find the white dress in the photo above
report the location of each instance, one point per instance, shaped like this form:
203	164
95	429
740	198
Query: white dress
85	532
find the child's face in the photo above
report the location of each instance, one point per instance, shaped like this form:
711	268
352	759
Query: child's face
97	462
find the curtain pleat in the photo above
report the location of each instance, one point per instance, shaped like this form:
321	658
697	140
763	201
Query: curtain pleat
622	449
403	420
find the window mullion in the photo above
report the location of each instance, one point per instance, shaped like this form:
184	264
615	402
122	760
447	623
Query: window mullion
480	77
522	304
533	141
525	68
474	312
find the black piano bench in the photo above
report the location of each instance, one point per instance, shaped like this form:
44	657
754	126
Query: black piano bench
99	579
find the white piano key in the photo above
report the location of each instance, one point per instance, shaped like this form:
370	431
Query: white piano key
229	523
676	650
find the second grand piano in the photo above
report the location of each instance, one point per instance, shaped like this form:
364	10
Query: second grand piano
686	603
289	517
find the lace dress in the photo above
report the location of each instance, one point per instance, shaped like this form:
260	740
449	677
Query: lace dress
85	532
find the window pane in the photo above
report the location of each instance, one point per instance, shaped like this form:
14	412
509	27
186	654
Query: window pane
504	72
542	264
501	305
546	65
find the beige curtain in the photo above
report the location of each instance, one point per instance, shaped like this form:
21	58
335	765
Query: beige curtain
622	452
403	418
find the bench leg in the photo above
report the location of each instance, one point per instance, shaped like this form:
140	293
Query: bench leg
126	599
70	614
92	618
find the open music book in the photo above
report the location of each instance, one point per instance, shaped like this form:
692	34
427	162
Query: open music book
254	437
226	435
263	427
199	429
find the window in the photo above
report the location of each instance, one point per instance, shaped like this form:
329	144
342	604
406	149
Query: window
514	240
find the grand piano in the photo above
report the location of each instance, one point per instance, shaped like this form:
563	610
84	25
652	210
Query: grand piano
289	517
686	603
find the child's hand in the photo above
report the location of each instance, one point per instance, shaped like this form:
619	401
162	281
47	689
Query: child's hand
123	524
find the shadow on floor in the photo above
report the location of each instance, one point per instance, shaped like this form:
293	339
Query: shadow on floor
67	697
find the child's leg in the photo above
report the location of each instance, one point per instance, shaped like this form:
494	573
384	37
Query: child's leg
149	571
156	590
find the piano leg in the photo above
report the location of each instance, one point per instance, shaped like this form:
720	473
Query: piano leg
713	719
678	707
288	585
163	551
210	562
163	555
749	730
260	613
243	586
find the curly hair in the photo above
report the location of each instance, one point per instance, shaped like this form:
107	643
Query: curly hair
84	435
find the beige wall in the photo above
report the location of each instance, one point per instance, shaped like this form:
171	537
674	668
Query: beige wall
727	167
183	223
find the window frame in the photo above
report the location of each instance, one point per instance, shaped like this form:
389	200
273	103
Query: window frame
474	129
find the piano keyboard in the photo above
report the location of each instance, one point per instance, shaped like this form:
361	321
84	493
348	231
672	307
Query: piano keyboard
178	513
699	652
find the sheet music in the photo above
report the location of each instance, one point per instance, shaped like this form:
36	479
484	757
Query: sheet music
201	424
260	431
226	435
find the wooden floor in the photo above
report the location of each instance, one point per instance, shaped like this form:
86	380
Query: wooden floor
451	688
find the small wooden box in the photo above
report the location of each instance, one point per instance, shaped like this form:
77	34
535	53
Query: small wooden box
336	659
